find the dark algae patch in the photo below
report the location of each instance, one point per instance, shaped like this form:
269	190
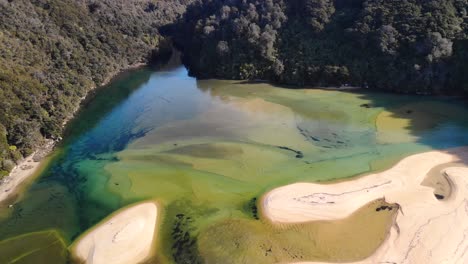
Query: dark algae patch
184	247
298	153
383	208
324	140
251	208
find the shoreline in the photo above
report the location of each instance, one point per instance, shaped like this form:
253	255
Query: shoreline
26	168
128	235
90	92
430	188
23	171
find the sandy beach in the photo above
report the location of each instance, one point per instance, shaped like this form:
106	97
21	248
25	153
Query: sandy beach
125	237
23	171
430	188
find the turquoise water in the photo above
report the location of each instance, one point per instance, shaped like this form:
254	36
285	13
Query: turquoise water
207	149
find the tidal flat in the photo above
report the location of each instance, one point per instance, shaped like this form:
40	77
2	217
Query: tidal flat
207	150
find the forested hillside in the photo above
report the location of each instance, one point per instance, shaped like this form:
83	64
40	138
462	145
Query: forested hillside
52	52
414	46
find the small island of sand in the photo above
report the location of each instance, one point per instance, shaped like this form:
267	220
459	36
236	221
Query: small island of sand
431	190
126	237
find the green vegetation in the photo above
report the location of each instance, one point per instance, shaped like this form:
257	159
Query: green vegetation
409	46
52	53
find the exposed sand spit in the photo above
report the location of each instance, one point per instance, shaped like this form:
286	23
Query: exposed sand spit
124	238
429	228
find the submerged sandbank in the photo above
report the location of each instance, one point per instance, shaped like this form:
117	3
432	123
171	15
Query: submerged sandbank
430	227
237	240
125	237
38	247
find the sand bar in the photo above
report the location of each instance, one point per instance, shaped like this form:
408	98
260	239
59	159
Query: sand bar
125	237
429	228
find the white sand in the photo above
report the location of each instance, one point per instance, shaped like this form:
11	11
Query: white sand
426	230
124	238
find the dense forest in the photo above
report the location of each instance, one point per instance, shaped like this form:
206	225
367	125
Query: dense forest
52	52
413	46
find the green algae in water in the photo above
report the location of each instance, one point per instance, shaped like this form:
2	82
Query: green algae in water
41	209
206	149
243	241
37	247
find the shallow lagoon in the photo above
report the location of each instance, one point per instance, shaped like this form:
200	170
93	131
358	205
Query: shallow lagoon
207	150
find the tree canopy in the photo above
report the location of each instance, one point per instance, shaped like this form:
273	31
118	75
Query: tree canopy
52	52
409	46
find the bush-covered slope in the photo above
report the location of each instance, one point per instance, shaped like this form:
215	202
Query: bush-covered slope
52	52
411	46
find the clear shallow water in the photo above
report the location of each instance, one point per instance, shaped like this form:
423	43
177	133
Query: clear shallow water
207	149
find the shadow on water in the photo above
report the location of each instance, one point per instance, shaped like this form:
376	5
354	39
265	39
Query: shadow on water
434	121
414	123
444	117
104	99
